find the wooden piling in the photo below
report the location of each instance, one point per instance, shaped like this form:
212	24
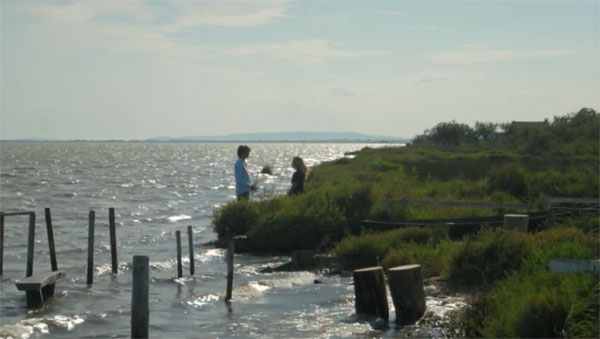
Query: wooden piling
518	222
370	293
1	241
140	311
90	268
179	266
30	244
191	246
408	295
113	240
230	251
53	263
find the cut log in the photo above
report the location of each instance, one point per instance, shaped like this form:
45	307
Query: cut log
369	290
408	295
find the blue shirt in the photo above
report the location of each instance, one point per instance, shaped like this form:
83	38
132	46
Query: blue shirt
242	177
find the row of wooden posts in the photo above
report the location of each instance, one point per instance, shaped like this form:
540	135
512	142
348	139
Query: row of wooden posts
42	285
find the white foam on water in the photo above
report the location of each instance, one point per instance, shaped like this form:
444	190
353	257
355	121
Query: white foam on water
203	300
27	328
210	255
175	218
256	288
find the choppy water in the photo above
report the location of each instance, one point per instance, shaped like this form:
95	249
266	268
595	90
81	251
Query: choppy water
156	189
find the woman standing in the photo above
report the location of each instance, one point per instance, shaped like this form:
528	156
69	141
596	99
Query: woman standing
298	176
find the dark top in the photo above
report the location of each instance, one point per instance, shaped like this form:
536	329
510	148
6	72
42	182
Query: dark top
297	183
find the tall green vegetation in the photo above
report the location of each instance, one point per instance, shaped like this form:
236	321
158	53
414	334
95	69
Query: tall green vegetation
490	162
503	163
568	134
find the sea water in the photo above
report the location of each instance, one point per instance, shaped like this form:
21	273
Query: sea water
157	189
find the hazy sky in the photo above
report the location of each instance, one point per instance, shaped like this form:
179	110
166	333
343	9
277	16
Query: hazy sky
137	69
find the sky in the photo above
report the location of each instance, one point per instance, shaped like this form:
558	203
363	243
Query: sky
133	69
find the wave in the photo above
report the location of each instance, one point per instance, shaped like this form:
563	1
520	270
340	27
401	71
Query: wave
176	218
27	328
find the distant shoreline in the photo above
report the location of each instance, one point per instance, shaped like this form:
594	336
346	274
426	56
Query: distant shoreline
348	141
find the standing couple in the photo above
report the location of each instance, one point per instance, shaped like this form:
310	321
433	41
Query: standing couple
243	183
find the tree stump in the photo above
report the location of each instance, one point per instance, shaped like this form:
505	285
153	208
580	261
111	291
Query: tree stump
369	290
408	295
518	222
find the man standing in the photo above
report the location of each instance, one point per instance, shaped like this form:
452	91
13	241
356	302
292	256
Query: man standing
243	184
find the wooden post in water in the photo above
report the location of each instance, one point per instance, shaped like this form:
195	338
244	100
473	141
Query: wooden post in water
369	290
179	267
30	243
408	295
518	222
230	251
191	245
53	263
140	311
90	268
1	241
113	240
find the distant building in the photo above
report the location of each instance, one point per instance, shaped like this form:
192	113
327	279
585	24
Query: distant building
528	124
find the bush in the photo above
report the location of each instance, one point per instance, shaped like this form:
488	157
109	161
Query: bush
489	256
434	256
510	179
393	248
542	305
238	216
305	222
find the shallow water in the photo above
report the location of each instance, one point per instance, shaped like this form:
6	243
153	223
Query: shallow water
156	189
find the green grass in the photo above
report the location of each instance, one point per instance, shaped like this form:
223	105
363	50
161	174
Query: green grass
519	297
539	305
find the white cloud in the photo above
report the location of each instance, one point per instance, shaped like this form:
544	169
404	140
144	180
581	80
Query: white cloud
229	14
81	12
312	50
427	28
428	78
390	13
343	92
489	55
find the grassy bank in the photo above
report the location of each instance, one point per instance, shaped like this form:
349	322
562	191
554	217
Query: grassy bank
507	163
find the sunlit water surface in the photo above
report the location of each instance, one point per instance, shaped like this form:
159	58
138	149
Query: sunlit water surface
157	189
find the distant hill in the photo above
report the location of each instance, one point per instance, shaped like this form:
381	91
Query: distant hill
288	136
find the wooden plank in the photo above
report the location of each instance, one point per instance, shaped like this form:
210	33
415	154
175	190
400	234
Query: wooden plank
559	200
38	281
460	204
17	213
574	266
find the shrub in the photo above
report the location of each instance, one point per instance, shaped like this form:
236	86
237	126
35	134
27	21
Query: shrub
360	251
510	179
434	256
542	305
238	216
488	256
392	248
